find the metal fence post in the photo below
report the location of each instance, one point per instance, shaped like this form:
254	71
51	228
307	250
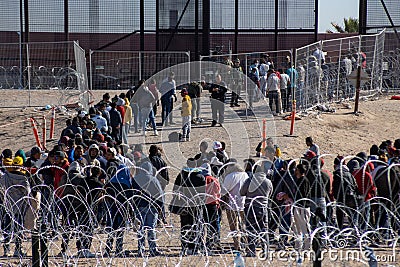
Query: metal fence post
91	69
140	65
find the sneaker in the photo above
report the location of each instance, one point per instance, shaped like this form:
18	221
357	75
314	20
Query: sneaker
182	139
213	123
156	133
187	139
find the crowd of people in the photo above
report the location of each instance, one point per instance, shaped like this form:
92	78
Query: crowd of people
92	179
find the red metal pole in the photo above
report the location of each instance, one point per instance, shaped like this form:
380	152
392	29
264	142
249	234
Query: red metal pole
293	117
44	132
35	133
53	118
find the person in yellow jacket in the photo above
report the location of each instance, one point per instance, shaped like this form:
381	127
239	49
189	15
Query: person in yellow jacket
127	121
186	115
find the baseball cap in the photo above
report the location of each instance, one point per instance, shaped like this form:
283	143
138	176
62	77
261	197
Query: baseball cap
217	145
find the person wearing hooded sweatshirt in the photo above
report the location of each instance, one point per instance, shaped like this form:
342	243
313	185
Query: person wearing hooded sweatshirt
188	202
345	192
118	188
257	190
145	100
15	185
92	154
73	207
230	190
148	199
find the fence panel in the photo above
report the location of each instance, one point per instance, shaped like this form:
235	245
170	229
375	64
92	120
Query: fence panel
122	70
326	67
52	68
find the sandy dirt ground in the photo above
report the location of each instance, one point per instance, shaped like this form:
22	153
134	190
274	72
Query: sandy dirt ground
336	133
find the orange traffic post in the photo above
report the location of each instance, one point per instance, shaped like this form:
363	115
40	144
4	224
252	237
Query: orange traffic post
293	117
44	132
264	136
35	133
53	118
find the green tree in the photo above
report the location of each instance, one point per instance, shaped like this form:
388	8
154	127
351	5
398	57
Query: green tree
350	26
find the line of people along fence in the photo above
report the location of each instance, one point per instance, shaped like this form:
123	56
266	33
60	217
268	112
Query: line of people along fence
95	214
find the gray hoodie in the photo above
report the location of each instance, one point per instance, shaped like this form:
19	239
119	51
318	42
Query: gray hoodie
257	190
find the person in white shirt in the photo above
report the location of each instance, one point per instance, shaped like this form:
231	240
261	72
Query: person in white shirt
230	191
273	91
285	93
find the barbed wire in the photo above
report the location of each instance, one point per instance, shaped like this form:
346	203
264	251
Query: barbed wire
80	224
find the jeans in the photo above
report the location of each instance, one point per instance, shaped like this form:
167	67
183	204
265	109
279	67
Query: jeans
186	126
274	97
144	116
115	226
125	131
148	220
198	110
285	219
166	105
217	107
212	220
194	107
152	120
136	116
256	227
236	221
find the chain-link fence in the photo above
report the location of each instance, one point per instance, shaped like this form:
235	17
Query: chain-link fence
122	70
326	69
57	67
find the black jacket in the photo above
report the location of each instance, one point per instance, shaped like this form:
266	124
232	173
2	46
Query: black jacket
219	94
159	164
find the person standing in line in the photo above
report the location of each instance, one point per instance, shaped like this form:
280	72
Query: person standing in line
218	91
116	121
167	91
186	113
194	90
154	90
292	86
146	100
237	83
273	89
285	83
